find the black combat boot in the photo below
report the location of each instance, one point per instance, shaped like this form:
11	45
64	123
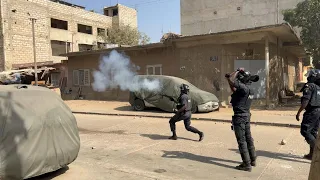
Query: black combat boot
201	135
174	136
309	156
245	166
253	156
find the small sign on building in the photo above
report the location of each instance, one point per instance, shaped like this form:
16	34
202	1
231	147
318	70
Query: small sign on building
214	58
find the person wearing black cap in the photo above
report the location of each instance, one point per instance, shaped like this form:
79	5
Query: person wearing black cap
239	82
184	113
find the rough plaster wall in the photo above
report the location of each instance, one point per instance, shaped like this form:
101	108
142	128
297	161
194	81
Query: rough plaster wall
193	64
18	30
197	17
18	35
76	16
275	66
291	70
233	53
2	55
128	16
165	56
197	68
275	72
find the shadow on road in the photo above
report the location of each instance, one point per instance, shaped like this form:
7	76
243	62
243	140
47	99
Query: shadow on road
203	159
51	175
162	137
86	131
147	109
124	108
281	156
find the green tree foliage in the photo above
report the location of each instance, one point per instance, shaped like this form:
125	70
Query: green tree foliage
306	16
124	35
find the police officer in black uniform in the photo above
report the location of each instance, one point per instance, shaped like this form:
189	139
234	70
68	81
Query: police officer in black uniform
183	113
310	101
239	82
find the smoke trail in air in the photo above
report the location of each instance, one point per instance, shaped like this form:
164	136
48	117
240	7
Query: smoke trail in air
116	70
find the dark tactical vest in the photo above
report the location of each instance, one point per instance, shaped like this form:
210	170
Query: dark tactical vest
179	105
315	96
241	103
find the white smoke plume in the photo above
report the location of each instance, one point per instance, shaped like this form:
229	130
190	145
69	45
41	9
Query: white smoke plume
116	70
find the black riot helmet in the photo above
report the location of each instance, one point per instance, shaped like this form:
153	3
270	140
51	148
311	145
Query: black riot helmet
244	76
313	75
184	88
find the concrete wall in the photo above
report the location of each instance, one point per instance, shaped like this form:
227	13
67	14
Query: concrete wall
164	56
202	65
292	65
204	16
2	53
17	34
128	16
197	68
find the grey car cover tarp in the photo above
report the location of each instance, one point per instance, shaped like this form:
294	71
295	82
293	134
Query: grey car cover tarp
314	173
170	87
38	132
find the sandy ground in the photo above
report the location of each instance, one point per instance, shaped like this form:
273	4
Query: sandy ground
283	115
136	148
125	106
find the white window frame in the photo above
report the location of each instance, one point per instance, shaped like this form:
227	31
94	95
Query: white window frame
77	81
153	69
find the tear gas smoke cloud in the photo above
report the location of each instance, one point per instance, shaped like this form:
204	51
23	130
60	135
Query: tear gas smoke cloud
116	70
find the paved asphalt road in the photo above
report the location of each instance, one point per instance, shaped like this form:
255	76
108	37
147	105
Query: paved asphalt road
137	148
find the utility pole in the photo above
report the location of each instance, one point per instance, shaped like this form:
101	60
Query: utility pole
33	20
267	71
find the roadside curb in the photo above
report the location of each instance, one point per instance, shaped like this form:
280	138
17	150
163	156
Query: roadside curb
201	119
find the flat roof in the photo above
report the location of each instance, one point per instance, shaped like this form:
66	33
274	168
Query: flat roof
121	48
111	7
67	3
284	31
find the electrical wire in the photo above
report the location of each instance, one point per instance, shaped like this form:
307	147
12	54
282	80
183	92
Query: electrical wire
148	3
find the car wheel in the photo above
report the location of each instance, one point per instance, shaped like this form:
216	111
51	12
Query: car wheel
138	105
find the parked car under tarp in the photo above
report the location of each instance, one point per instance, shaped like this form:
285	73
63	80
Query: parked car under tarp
38	132
315	164
166	98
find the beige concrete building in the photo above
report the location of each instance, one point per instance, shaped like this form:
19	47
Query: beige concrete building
204	60
60	27
211	16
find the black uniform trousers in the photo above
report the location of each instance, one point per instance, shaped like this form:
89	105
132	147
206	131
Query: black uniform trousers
186	117
310	126
241	125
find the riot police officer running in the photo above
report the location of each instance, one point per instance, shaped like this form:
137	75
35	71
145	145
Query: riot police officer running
239	82
310	101
183	113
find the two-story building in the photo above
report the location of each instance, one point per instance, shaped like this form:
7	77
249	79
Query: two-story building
60	27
